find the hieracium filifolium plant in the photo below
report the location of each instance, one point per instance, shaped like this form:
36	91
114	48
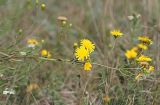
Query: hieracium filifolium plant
83	52
84	49
135	54
48	61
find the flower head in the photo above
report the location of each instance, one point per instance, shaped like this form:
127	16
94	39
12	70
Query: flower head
106	99
43	6
144	58
87	66
32	87
75	45
130	54
88	45
32	43
116	33
142	46
81	53
45	53
145	39
151	68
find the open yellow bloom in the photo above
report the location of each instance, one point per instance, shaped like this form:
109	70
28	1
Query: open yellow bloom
144	58
88	45
142	46
116	33
32	43
45	53
145	40
81	53
87	66
130	54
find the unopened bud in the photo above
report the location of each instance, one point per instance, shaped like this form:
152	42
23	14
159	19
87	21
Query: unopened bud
43	7
75	45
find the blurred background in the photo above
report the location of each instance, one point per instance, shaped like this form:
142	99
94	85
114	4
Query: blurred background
37	82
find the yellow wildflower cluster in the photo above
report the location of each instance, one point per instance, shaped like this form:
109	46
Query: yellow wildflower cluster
143	45
136	54
116	33
82	53
45	53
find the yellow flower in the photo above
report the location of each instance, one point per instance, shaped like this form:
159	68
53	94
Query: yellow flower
151	68
81	53
32	87
87	66
88	45
144	58
45	53
32	43
145	40
142	46
130	54
106	99
116	33
140	75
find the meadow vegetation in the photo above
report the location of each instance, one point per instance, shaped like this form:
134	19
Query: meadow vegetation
79	52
